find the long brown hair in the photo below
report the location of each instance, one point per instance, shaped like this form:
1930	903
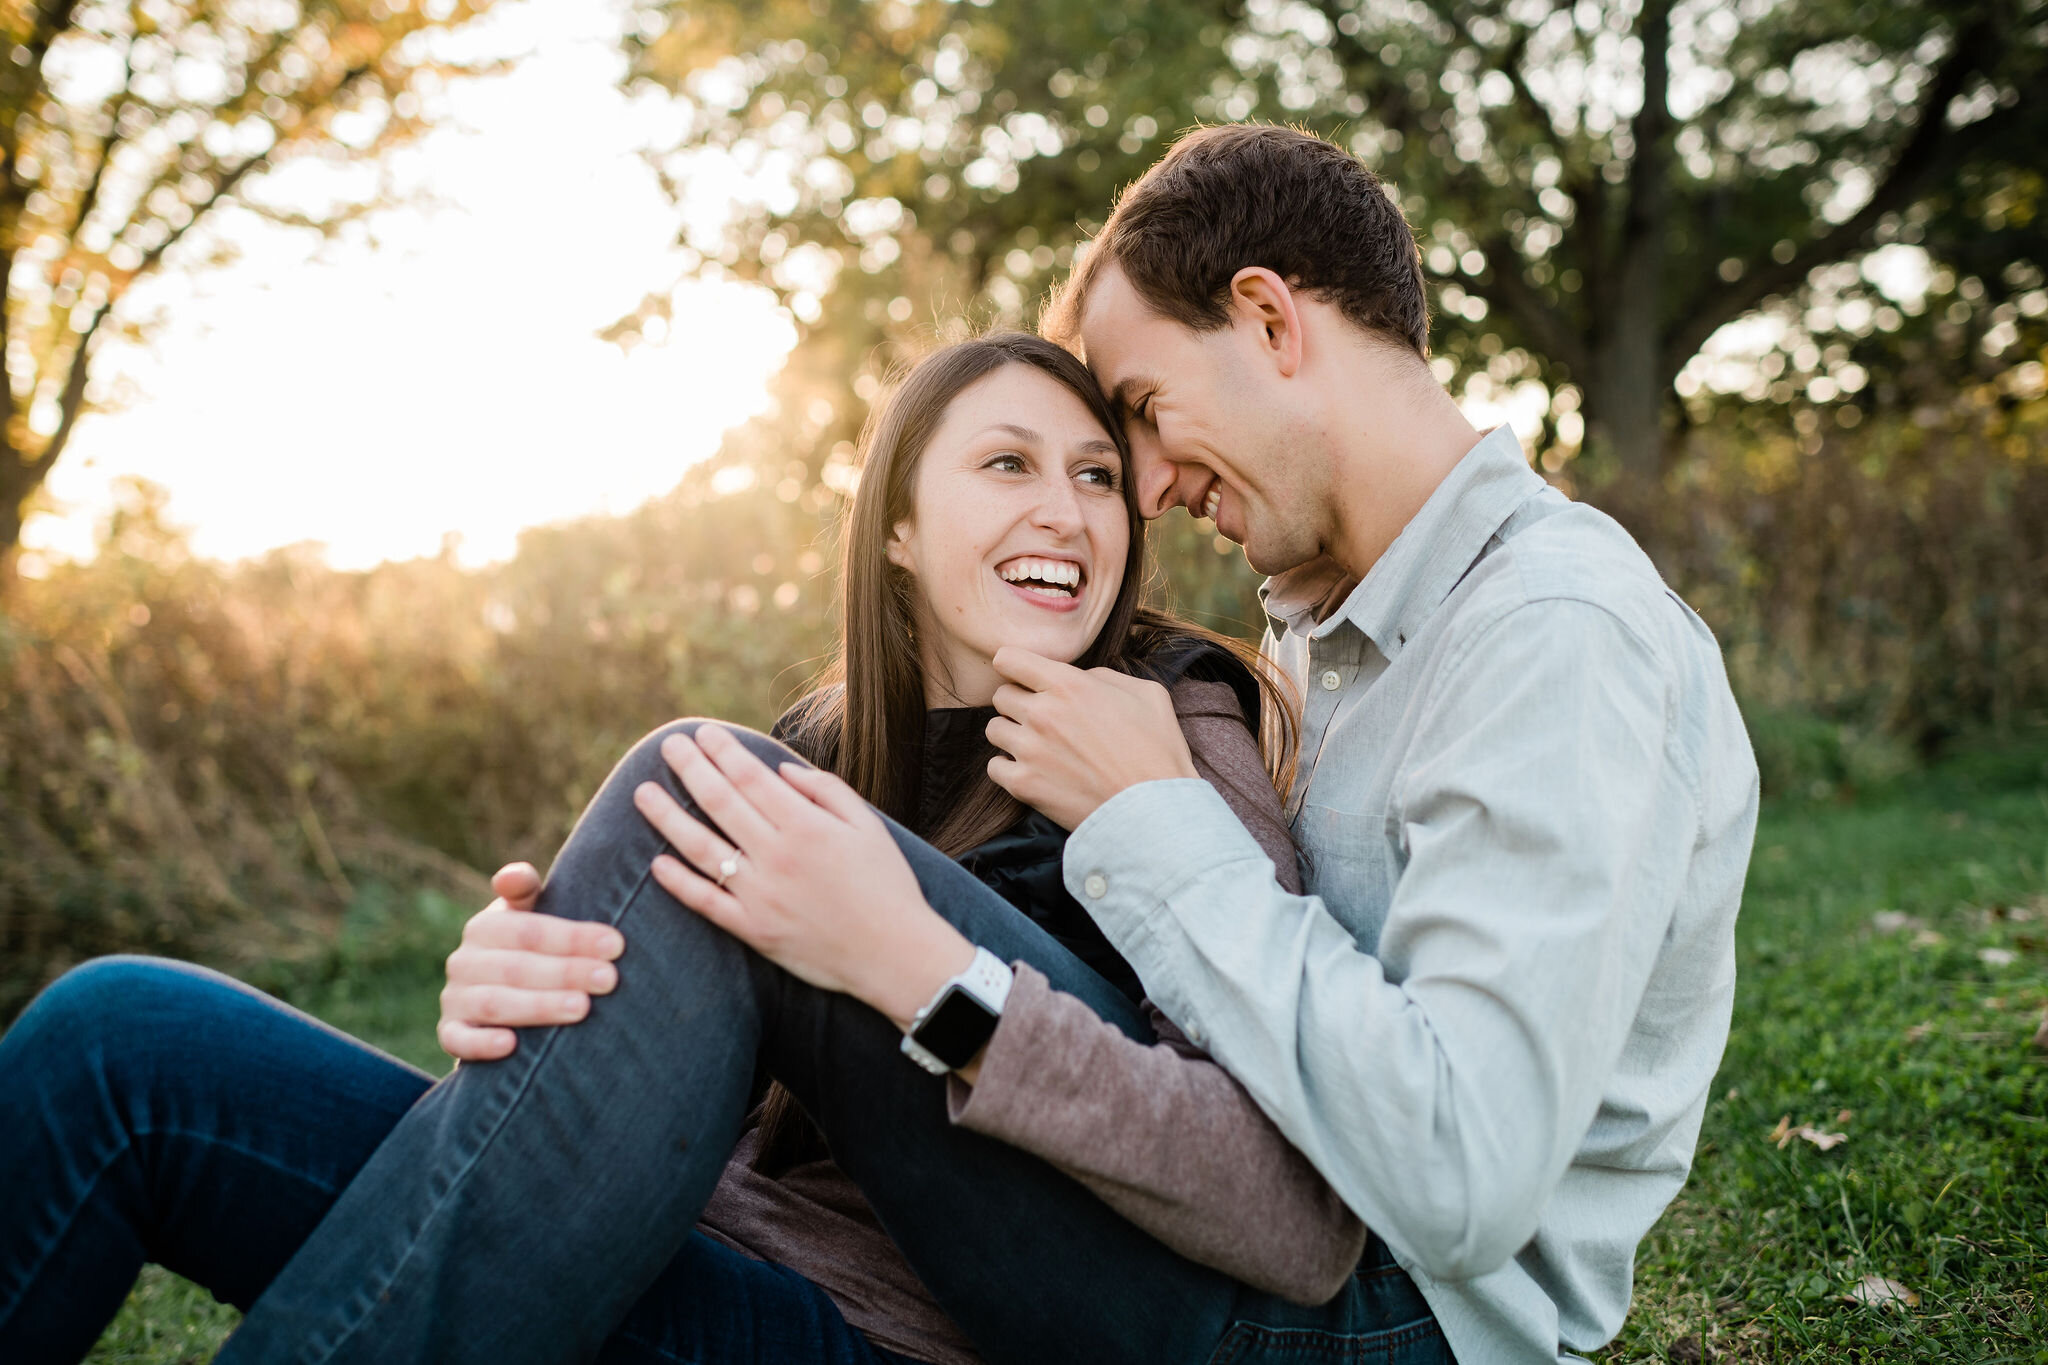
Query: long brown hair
866	719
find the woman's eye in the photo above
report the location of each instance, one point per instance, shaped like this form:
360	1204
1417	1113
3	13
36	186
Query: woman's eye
1008	464
1099	476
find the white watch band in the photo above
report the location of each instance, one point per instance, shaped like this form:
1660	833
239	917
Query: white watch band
987	978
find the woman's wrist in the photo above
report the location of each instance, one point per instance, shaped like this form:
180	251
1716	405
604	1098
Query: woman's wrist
916	967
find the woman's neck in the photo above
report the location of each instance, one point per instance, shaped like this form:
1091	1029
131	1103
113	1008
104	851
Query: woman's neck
957	682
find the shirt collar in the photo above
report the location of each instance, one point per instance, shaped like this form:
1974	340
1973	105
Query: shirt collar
1434	551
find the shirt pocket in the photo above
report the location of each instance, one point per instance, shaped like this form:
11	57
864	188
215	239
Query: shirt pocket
1348	859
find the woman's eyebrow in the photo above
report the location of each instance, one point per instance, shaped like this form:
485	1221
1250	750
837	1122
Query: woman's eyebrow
1098	446
1021	433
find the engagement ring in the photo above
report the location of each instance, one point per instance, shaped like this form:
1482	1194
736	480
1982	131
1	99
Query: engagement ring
728	867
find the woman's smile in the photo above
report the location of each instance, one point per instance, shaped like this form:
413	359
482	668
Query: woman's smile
1047	582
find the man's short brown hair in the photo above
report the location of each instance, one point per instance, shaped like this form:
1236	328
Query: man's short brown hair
1249	194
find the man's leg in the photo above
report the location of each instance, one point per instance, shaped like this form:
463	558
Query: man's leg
523	1206
155	1111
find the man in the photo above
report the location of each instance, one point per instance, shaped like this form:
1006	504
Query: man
1526	798
1526	803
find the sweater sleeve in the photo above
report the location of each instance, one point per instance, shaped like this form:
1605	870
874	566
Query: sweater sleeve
1159	1132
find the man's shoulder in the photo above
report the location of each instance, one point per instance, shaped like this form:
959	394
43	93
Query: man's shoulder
1558	558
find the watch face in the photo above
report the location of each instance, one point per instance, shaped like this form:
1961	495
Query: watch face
957	1029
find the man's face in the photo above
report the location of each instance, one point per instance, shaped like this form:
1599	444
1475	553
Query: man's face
1208	423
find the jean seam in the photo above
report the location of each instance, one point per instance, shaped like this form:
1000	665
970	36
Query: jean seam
69	1219
497	1126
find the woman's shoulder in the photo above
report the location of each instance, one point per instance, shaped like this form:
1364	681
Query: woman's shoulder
1205	676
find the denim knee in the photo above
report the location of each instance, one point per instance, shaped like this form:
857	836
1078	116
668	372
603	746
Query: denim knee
643	762
75	1009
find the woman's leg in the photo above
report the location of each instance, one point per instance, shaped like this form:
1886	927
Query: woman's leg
153	1111
714	1306
520	1210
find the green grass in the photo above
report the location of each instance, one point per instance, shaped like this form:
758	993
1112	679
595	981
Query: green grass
1941	1184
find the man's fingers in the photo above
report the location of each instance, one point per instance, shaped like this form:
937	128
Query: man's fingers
468	1043
1005	734
501	927
530	971
517	884
511	1007
1033	671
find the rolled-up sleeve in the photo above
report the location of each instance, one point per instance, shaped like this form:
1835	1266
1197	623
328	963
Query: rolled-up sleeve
1443	1083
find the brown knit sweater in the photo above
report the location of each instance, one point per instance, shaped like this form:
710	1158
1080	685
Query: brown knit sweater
1158	1132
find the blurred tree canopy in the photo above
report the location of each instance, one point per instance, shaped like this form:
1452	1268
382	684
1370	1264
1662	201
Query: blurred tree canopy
1598	187
125	123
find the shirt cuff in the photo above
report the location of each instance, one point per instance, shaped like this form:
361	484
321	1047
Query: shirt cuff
1125	861
995	1103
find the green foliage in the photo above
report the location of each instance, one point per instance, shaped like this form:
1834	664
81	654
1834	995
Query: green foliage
1890	959
1597	187
123	127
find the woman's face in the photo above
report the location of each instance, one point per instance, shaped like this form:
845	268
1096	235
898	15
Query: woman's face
1017	533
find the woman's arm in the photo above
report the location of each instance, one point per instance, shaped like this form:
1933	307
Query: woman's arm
1160	1133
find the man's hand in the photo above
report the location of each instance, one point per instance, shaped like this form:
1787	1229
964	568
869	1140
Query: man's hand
516	969
1074	739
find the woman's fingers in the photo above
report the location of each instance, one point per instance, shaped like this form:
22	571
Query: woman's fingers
761	786
703	895
685	833
828	790
715	793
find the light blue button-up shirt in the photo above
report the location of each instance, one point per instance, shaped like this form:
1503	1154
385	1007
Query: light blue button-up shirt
1525	807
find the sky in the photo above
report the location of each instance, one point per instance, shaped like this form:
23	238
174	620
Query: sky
447	377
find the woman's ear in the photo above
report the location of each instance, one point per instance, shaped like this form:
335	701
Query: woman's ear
898	548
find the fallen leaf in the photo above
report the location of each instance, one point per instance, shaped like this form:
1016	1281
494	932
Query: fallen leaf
1878	1292
1782	1134
1891	921
1997	957
1845	1116
1927	938
1827	1142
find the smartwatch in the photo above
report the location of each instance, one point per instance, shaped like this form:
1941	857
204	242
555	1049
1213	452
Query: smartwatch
958	1022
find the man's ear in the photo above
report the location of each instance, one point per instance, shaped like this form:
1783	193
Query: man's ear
898	548
1261	299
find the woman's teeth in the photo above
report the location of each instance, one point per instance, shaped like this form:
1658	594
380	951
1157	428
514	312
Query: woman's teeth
1048	577
1212	502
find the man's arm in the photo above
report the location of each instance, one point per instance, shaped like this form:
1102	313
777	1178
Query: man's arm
1443	1093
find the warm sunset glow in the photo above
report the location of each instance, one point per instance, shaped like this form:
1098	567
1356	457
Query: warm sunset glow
442	373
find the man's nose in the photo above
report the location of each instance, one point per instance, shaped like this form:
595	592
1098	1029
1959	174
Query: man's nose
1155	476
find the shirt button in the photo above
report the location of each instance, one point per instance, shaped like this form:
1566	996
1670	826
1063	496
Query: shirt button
1332	680
1195	1034
1096	885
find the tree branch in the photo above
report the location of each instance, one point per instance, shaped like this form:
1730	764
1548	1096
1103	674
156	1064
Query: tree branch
1932	148
71	404
1504	284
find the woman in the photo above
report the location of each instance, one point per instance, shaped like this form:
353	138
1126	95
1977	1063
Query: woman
211	1129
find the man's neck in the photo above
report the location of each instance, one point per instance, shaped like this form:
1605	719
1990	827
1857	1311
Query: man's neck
1400	453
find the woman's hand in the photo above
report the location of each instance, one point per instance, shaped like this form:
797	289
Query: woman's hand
516	969
820	887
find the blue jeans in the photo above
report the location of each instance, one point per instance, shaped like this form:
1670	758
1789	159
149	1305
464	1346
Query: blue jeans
523	1210
154	1111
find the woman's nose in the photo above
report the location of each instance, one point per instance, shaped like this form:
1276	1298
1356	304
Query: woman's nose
1059	508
